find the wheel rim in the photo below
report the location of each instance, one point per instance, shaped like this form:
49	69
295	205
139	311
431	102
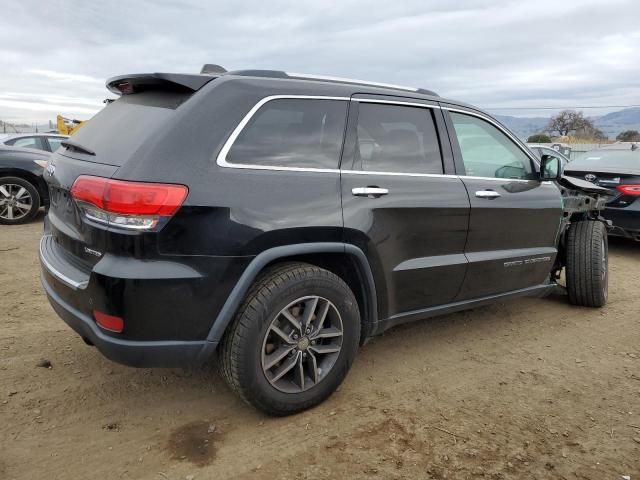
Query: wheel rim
302	344
15	201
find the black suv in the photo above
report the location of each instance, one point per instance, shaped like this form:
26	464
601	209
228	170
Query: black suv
279	221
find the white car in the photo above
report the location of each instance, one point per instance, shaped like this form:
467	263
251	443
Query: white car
49	142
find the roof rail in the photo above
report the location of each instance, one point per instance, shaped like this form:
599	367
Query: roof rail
360	82
322	78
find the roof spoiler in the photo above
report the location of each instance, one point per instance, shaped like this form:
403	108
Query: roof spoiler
139	82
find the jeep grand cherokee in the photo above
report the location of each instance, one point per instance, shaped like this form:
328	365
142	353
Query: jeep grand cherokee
277	221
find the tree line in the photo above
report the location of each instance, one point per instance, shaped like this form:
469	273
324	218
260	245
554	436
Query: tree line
571	122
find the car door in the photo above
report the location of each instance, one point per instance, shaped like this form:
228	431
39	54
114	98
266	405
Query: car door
403	205
515	218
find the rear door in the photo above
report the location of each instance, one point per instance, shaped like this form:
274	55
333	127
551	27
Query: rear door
403	205
515	218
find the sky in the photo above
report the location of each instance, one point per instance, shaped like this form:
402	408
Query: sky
500	55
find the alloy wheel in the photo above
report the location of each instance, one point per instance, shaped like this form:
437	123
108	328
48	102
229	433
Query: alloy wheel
302	344
15	201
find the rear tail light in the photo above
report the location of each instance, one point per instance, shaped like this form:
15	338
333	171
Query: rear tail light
128	205
109	322
633	190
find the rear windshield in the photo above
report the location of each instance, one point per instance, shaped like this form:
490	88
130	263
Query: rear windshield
121	127
608	160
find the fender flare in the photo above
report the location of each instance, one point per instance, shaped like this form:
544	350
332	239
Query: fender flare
238	293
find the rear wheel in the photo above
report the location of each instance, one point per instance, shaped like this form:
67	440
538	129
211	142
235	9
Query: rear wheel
293	340
587	264
19	200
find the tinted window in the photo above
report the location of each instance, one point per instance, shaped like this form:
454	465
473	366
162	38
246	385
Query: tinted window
123	126
27	142
54	142
487	151
394	138
293	133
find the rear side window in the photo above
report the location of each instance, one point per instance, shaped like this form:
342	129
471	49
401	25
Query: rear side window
394	138
28	142
303	133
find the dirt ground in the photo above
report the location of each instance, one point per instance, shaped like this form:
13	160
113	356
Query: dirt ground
533	389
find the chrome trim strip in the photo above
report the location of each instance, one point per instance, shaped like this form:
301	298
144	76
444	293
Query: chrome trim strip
351	80
397	174
222	156
60	276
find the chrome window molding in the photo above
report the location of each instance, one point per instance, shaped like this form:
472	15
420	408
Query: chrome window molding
397	174
221	159
222	156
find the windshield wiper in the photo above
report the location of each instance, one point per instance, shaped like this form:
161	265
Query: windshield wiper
77	147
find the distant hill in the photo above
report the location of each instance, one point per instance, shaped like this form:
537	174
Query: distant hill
523	127
614	123
611	124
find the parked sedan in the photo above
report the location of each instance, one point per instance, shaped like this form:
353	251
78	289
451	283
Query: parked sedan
48	142
540	150
22	188
618	170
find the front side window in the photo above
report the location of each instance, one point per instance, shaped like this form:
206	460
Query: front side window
396	138
291	132
487	151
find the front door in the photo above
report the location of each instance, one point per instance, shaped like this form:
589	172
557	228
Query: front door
400	208
515	217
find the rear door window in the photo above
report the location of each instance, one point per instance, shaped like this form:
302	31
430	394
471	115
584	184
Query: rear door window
396	138
303	133
28	142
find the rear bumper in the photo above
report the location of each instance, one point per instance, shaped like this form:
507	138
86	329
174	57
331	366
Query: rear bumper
168	303
129	352
626	221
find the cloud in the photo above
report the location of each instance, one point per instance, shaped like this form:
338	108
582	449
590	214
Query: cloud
55	57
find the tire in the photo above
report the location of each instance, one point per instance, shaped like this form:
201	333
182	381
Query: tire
587	264
19	200
251	343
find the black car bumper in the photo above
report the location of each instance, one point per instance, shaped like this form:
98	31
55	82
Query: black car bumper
626	221
167	306
129	352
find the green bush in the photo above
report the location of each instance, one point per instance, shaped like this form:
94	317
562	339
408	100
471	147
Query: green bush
539	138
629	136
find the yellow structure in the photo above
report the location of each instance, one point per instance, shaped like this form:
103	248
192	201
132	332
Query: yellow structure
67	126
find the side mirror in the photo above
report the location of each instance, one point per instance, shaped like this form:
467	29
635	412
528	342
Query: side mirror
550	168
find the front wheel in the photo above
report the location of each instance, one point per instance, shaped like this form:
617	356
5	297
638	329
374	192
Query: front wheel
293	340
587	264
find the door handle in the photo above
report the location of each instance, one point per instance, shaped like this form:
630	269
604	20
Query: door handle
371	192
487	194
